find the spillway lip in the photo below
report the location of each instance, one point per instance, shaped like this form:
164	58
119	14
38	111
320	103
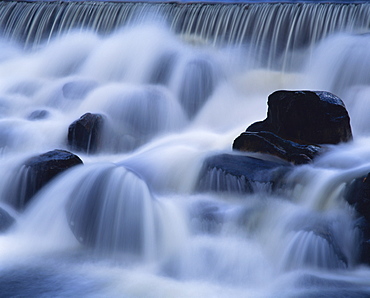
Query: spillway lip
313	2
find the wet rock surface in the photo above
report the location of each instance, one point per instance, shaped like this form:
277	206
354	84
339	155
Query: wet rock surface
269	143
297	123
85	134
306	117
357	194
238	173
36	172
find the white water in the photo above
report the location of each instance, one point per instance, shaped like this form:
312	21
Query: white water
181	243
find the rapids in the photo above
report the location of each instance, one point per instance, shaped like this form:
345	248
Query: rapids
177	83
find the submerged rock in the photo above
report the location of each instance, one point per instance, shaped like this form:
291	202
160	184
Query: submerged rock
25	88
269	143
315	250
315	246
38	115
316	241
357	194
163	69
242	174
206	217
315	284
112	210
306	117
363	227
200	78
78	89
85	133
137	115
36	172
6	220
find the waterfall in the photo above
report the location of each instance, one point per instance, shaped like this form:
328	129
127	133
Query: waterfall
266	27
148	97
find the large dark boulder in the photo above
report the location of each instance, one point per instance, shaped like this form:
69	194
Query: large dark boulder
85	133
242	174
306	117
37	172
269	143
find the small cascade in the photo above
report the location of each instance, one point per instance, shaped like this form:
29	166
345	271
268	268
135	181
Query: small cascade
108	209
318	240
307	249
341	64
350	54
112	210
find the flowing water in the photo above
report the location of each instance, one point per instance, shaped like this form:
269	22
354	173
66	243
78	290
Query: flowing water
177	83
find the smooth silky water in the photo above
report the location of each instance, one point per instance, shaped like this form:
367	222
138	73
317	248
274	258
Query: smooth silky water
177	83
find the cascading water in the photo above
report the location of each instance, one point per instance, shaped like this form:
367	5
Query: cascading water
174	85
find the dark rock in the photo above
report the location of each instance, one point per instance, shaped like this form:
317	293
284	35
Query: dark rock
306	117
363	227
6	220
269	143
38	115
37	172
238	173
357	194
85	133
